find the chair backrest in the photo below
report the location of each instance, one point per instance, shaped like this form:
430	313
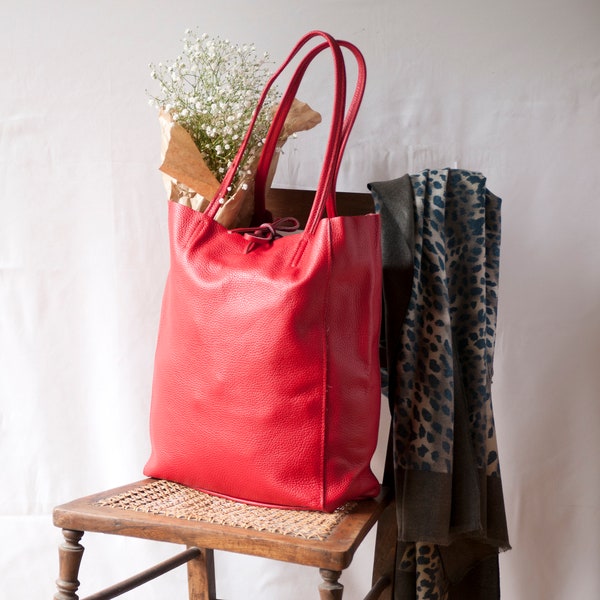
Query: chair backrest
297	203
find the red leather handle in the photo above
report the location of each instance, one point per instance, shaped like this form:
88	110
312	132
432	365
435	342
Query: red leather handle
352	111
275	128
336	134
279	120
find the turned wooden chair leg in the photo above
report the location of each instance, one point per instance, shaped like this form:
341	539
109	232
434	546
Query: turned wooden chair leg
330	588
69	557
384	563
201	576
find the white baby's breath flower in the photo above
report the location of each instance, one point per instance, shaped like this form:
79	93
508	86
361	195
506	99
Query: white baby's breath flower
211	89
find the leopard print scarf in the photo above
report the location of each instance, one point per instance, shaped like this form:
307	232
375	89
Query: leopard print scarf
441	251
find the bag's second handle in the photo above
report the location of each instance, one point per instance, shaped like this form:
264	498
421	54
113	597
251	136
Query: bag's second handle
279	121
339	131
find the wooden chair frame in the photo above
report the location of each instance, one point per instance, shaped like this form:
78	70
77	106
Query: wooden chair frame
331	556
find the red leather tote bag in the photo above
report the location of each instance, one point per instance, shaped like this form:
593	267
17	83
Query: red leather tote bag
266	382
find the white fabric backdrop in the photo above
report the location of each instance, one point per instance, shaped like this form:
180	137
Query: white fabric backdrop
509	88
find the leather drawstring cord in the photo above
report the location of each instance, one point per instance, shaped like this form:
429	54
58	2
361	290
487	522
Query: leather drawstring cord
267	232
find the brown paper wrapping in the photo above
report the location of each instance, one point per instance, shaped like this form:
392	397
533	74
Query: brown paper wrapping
189	181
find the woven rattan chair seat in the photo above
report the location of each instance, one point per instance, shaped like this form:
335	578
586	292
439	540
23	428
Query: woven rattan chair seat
161	497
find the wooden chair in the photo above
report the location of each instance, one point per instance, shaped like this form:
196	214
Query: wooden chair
159	510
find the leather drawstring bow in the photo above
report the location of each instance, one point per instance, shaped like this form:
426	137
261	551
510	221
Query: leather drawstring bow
267	232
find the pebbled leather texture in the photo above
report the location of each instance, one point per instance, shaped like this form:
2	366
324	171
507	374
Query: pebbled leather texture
266	381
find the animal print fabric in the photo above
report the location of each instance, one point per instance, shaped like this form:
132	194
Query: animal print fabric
440	302
451	314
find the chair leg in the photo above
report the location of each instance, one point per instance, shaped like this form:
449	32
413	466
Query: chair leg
201	576
384	564
330	588
69	557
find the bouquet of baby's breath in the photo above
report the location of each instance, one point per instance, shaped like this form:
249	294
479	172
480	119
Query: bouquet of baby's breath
207	98
211	89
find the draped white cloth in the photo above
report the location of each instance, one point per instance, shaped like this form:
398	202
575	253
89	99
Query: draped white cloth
510	89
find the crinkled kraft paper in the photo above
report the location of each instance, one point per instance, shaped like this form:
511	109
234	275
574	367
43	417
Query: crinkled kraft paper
190	182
